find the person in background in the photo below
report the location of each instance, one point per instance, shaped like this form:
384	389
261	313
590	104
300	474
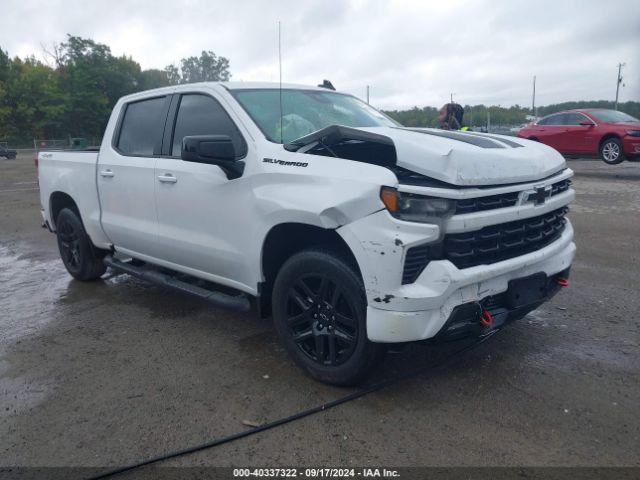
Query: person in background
450	117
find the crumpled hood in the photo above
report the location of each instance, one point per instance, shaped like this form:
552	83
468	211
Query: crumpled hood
471	158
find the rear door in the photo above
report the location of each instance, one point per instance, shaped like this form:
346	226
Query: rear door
126	176
201	213
551	130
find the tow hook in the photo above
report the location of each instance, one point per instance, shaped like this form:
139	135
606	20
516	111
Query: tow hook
486	319
563	282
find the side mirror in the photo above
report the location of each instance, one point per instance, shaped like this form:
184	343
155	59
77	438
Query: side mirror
587	123
214	150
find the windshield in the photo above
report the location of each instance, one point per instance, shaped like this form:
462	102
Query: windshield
612	116
306	111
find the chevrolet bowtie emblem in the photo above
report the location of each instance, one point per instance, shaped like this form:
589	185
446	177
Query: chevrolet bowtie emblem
540	194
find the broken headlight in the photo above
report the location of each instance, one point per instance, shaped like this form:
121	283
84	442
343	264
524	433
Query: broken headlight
416	208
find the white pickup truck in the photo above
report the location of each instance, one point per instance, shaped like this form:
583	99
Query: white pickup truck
349	229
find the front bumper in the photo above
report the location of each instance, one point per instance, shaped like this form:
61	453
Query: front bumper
631	146
418	311
463	287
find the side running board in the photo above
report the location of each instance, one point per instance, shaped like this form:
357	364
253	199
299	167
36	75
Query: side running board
238	303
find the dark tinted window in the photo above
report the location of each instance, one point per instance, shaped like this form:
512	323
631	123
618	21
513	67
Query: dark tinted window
202	115
557	119
574	119
141	127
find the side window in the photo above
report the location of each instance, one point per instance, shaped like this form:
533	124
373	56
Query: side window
202	115
558	119
544	121
141	127
574	119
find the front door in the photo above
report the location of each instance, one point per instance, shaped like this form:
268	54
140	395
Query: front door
201	213
126	177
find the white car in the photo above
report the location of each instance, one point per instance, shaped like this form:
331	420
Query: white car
350	230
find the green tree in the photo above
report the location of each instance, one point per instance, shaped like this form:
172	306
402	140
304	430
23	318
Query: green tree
75	96
208	67
93	80
153	79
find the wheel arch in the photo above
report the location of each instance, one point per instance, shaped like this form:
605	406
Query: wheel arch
59	200
286	239
606	137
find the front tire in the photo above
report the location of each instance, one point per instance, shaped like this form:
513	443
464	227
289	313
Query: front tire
81	259
319	311
611	151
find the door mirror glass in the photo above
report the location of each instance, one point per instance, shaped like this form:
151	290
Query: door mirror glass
587	123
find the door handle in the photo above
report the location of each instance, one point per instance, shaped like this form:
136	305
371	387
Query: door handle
107	173
167	178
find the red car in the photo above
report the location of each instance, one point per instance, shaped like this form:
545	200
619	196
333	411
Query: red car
610	134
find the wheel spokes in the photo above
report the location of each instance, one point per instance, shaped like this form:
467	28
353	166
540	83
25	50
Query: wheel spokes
303	336
297	320
344	320
320	353
321	320
332	348
344	336
306	290
322	290
303	303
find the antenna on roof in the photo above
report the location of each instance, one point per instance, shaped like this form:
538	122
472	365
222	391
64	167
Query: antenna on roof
280	68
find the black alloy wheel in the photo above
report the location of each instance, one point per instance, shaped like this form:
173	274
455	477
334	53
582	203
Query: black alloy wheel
320	313
80	257
69	243
321	320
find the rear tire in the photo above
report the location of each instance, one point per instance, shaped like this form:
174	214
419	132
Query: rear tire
319	311
82	260
611	151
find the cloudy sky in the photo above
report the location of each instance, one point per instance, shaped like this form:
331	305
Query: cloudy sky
410	52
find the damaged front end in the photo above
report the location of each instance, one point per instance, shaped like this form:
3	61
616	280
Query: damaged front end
435	158
360	146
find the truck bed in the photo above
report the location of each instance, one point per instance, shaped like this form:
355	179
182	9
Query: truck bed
74	173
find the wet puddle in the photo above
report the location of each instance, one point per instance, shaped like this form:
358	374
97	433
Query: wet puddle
29	291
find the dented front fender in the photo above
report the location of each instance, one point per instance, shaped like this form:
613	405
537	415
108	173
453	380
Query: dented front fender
379	242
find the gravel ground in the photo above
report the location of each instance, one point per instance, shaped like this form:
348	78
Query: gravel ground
106	373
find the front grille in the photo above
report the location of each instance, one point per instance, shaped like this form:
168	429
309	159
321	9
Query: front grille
560	187
500	242
470	205
479	204
489	245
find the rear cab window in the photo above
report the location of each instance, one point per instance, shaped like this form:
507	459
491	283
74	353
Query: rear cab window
141	127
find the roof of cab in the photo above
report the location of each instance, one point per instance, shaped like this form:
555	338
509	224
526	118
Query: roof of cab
228	85
267	85
253	85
